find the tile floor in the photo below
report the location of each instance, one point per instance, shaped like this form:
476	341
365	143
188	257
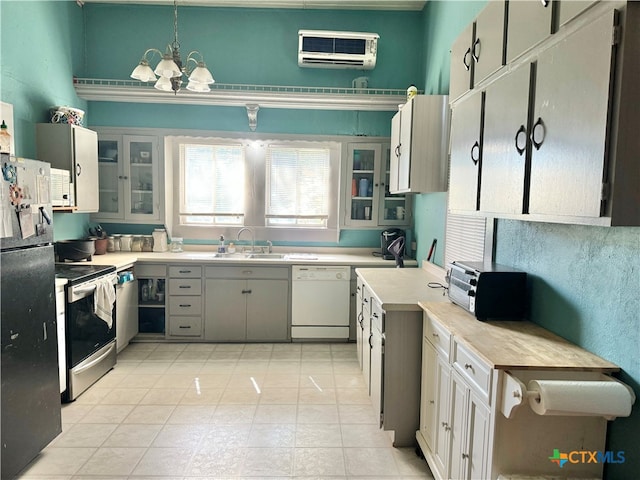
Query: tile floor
213	411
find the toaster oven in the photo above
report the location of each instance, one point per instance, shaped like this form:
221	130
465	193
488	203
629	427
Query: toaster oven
488	291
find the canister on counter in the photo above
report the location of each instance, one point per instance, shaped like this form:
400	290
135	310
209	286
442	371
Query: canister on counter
125	243
136	243
147	243
111	246
117	240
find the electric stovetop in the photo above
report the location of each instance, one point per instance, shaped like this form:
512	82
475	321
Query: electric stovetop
74	273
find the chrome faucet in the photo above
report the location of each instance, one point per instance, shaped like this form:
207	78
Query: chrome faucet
253	238
270	246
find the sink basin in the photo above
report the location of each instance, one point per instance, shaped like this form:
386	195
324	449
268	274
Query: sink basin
266	255
203	256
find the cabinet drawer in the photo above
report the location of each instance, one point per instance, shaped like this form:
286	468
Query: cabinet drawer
474	370
437	335
185	272
185	326
184	305
185	286
248	271
150	271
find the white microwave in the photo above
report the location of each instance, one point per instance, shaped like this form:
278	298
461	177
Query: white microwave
61	188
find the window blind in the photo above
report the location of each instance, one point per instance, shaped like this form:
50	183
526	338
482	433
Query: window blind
298	187
212	184
464	239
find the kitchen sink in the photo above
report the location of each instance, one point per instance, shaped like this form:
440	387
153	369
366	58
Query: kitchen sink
266	255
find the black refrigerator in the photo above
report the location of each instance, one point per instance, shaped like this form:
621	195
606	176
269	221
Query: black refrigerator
30	394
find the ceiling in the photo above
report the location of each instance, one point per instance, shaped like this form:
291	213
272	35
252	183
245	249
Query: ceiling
415	5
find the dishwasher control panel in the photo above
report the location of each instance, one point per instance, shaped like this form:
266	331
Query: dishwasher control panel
316	273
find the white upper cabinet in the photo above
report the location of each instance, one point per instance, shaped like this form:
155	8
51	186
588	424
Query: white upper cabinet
487	50
505	143
466	153
130	187
558	126
73	148
570	115
419	137
528	24
461	75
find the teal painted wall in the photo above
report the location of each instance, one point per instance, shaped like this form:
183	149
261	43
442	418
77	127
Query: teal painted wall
584	284
42	47
442	23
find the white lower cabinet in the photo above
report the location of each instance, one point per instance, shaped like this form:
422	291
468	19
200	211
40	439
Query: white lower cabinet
185	302
246	304
470	427
62	349
455	411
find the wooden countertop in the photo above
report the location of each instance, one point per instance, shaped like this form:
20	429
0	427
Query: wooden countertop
515	344
402	289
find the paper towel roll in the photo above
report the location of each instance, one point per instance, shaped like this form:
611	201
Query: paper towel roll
609	399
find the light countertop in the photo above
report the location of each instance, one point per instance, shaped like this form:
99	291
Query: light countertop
352	257
402	289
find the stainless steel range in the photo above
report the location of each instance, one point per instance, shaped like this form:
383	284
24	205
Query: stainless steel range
90	340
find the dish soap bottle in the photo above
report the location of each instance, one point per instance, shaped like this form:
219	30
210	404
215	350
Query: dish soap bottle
221	247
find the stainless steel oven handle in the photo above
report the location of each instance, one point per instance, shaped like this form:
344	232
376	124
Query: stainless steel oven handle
92	363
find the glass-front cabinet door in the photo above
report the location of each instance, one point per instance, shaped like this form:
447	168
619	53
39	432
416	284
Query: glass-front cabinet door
142	191
394	209
129	167
110	176
363	184
368	201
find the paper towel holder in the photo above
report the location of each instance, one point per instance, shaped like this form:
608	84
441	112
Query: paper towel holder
515	393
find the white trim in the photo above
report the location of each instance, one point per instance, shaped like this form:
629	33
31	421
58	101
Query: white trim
239	95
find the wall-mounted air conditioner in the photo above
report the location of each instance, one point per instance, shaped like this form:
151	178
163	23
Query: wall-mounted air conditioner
327	49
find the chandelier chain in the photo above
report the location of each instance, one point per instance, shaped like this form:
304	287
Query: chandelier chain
176	44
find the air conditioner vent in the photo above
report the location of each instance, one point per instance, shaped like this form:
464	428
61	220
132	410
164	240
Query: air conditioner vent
330	49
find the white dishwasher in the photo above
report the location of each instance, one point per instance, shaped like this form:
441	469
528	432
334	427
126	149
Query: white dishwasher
320	302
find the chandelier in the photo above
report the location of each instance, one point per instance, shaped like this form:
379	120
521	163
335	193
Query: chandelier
171	69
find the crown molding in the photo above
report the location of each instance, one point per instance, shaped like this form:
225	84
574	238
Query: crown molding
240	95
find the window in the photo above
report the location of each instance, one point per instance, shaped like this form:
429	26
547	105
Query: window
297	187
212	184
286	189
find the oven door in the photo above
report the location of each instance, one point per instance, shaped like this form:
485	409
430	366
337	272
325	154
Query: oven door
90	340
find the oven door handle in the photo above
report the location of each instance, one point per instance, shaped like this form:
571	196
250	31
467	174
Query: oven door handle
76	294
92	363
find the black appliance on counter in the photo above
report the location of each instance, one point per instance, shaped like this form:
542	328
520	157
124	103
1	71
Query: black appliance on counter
90	341
386	239
488	290
30	394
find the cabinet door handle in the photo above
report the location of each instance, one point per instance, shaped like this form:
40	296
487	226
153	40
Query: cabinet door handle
435	335
545	3
536	139
475	153
519	136
375	315
467	64
78	169
370	344
246	291
184	326
468	366
398	150
432	402
465	456
184	271
184	305
184	286
476	50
